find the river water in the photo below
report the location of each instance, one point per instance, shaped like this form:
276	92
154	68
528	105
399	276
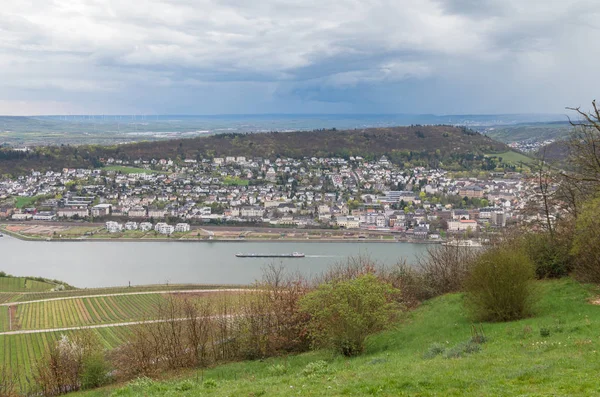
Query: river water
103	264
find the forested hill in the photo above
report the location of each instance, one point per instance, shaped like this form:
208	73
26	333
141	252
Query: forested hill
454	147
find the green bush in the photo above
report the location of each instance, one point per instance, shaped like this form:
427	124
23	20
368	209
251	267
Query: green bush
96	370
344	313
499	287
586	243
549	255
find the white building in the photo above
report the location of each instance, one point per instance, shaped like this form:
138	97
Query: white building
182	227
131	226
462	225
348	222
164	228
114	227
145	226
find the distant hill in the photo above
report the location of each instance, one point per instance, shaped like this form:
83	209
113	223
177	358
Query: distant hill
455	147
529	131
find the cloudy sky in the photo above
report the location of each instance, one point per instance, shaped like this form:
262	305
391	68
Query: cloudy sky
298	56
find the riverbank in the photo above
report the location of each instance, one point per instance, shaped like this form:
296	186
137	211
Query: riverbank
78	233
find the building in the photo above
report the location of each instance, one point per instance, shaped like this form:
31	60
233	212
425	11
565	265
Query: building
156	213
114	227
73	212
462	225
101	210
5	212
21	217
252	212
44	216
471	192
457	215
348	222
132	226
396	196
164	228
145	226
136	212
182	227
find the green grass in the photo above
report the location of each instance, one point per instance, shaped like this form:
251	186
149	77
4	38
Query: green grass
129	170
514	158
230	181
23	202
22	284
516	359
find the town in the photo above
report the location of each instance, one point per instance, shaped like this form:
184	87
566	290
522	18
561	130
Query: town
171	196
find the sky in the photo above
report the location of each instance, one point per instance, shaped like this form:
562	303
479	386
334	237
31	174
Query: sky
298	56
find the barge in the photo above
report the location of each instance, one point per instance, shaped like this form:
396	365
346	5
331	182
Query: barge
292	255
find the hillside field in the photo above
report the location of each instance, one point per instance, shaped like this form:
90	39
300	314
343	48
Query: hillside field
555	353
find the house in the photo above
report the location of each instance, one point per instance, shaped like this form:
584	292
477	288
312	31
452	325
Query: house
114	227
164	228
5	212
251	212
471	192
348	222
101	210
287	208
182	227
132	226
44	216
156	213
462	225
420	232
73	212
21	217
136	212
145	226
457	215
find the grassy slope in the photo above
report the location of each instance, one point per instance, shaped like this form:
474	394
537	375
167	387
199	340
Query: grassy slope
516	360
22	284
129	170
513	157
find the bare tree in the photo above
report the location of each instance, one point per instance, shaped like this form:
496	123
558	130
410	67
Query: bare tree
584	150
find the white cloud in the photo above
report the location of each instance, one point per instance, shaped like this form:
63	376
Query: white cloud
62	47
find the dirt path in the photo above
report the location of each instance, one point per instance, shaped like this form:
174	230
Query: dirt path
191	291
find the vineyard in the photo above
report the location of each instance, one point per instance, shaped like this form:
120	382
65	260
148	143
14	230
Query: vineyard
21	352
86	311
44	310
23	284
7	296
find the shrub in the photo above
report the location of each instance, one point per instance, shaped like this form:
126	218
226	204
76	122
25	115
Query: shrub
315	368
96	371
434	350
344	313
446	267
586	243
61	368
550	255
412	282
8	382
499	287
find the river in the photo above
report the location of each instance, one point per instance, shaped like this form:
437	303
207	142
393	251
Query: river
104	264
